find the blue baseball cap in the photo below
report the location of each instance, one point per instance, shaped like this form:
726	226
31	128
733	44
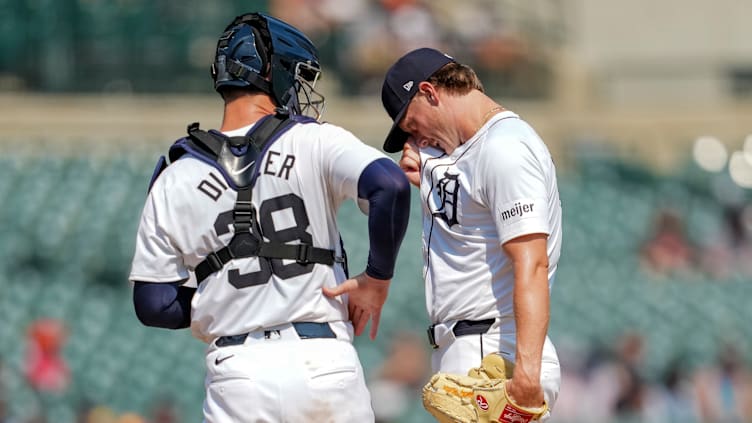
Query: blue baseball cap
401	84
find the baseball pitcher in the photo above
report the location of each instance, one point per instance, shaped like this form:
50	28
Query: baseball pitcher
491	239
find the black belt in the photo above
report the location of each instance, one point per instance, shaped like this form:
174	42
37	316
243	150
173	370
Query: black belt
463	327
305	330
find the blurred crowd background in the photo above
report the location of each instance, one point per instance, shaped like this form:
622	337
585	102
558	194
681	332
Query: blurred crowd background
646	107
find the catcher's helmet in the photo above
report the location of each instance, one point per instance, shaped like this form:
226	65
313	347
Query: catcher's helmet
264	52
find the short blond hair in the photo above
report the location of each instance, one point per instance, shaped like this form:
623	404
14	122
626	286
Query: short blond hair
456	78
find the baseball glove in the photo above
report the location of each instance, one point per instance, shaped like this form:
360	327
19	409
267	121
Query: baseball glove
480	397
493	366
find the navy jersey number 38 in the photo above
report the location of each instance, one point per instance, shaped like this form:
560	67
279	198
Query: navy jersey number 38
270	266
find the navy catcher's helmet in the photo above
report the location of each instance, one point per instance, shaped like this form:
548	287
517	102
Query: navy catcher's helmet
264	52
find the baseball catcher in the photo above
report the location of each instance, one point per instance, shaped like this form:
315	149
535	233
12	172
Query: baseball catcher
248	214
480	396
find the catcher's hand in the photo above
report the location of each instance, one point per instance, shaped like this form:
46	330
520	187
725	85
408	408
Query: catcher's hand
480	397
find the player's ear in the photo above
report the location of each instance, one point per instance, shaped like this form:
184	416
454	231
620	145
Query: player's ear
428	90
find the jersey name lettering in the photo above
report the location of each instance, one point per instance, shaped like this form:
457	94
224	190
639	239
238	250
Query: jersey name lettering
278	168
213	189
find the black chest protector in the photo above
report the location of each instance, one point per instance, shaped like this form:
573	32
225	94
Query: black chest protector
238	158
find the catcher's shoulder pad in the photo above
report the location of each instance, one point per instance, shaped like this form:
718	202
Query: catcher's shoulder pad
233	157
236	169
158	169
236	158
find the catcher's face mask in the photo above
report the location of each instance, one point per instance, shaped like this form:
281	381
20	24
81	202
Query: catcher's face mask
308	101
262	51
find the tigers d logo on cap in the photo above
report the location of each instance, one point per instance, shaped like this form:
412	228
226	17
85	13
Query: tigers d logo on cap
401	84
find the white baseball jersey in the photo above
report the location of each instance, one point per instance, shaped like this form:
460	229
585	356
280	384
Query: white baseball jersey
499	185
305	176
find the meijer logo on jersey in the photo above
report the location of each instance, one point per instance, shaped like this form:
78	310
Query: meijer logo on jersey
517	210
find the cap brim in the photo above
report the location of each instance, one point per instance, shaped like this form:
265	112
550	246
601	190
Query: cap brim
396	138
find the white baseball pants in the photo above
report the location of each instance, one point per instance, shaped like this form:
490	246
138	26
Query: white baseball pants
274	376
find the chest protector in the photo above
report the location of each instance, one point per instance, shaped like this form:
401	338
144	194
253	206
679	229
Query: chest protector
237	159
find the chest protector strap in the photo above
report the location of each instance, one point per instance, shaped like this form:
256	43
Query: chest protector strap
248	240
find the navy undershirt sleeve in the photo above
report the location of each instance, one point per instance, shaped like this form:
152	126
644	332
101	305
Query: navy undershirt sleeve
163	305
387	190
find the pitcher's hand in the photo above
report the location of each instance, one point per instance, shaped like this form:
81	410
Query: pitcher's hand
410	162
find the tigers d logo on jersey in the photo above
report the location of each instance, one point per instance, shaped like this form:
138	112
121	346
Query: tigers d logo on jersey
446	190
